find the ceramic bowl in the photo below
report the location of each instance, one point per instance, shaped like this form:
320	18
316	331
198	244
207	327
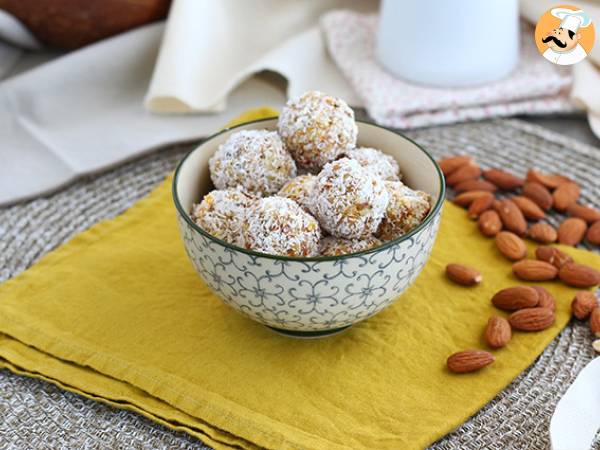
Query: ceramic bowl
317	296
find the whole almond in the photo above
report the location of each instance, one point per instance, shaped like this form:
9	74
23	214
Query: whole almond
583	304
565	196
542	232
489	223
469	171
504	180
511	216
550	181
451	163
593	233
579	275
479	205
469	361
546	299
464	275
528	207
511	245
552	255
531	319
572	231
590	215
516	297
534	270
474	185
539	194
595	322
497	332
466	198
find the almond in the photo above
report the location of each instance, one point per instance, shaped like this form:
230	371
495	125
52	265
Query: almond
469	361
550	181
516	297
511	216
528	207
464	275
595	322
593	234
542	232
534	270
511	245
502	179
539	194
479	205
489	223
546	299
571	231
497	332
590	215
466	198
469	171
451	163
583	304
565	196
531	319
552	255
474	185
579	275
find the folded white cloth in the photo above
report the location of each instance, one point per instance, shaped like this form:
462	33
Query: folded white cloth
534	87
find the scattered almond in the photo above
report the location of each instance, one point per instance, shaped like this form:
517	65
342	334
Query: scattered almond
552	255
479	205
516	297
546	299
583	304
511	245
596	345
549	181
572	231
469	361
579	275
539	194
497	332
451	163
511	216
489	223
469	171
534	270
542	232
466	198
474	185
595	322
528	207
590	215
504	180
531	319
464	275
565	196
593	234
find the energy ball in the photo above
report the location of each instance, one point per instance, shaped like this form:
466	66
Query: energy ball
255	160
348	201
279	226
299	189
316	129
221	214
406	210
377	162
334	246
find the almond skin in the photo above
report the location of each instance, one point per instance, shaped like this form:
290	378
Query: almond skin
546	299
504	180
593	233
516	297
549	181
511	245
475	185
469	171
497	332
451	163
479	205
466	198
534	270
489	223
469	361
595	322
511	216
572	231
539	194
542	233
531	319
565	196
579	275
583	304
590	215
552	255
463	275
529	208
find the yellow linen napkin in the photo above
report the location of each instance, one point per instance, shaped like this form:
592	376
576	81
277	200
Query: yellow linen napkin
119	315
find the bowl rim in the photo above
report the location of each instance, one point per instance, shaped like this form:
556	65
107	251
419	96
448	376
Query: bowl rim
432	213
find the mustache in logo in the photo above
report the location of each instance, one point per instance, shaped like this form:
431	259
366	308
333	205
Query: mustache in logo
555	40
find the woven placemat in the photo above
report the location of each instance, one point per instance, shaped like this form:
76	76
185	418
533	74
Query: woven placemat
35	414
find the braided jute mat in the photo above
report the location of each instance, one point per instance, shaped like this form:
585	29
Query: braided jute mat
36	415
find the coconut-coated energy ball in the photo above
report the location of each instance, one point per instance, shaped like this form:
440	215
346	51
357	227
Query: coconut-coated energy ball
407	209
349	201
279	226
255	160
377	162
334	246
221	214
299	189
317	128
